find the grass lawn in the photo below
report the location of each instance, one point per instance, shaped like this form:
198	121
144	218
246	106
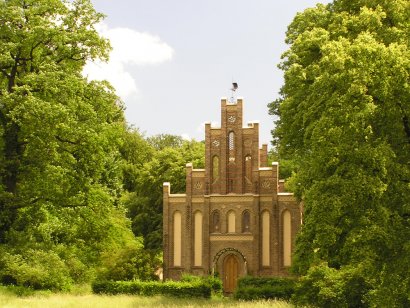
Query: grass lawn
53	300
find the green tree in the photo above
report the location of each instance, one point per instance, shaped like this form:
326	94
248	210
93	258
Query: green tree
144	203
162	141
344	121
60	135
286	165
135	151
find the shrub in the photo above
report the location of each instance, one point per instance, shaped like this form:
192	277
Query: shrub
128	263
253	288
190	278
36	269
214	282
149	288
324	286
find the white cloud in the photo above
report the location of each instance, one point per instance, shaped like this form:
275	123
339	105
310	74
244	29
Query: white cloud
129	48
115	73
186	137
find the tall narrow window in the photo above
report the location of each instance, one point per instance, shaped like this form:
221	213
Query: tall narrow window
216	225
265	238
215	168
198	239
230	186
287	238
246	221
248	168
231	140
231	222
177	238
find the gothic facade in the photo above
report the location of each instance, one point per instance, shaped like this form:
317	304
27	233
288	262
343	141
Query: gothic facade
234	218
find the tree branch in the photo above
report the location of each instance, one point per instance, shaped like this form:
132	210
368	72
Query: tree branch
67	141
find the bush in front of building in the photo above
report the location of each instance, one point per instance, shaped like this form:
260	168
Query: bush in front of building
254	288
200	288
214	282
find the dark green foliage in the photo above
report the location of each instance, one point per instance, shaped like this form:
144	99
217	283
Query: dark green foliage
286	167
135	151
254	288
328	287
36	269
60	134
149	288
166	163
128	263
343	120
214	282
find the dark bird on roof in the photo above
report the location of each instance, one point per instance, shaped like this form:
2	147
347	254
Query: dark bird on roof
234	86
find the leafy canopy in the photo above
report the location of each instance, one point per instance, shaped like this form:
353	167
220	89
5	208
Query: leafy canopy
166	162
60	164
343	118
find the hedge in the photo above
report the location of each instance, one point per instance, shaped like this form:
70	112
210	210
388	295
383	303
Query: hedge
253	288
214	282
201	288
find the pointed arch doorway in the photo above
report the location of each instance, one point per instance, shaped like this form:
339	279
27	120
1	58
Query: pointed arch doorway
231	272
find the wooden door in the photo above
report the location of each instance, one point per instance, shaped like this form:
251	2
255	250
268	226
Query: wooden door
231	273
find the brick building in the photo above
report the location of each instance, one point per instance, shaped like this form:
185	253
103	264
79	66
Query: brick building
234	218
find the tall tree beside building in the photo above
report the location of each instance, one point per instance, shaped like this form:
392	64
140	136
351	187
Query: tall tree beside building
344	119
59	137
169	156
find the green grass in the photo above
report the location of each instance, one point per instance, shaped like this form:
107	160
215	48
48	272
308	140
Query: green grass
9	299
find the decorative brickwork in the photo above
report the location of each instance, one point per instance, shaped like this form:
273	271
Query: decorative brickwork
237	188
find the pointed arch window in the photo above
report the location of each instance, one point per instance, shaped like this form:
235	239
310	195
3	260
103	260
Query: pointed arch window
198	239
265	238
248	168
287	238
231	222
231	141
246	221
177	238
215	168
216	222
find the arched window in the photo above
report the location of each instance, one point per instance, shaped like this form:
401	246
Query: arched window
215	168
265	238
248	167
231	140
246	221
198	239
231	222
177	238
216	222
287	238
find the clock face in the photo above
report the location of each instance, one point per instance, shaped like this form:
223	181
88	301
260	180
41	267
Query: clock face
215	143
232	119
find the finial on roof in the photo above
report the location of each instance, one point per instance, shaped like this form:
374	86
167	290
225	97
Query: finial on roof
233	89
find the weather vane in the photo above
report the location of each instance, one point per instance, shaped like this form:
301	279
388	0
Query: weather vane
233	90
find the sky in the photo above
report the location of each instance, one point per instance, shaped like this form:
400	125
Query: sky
173	61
